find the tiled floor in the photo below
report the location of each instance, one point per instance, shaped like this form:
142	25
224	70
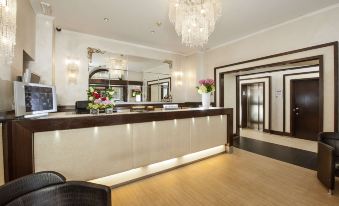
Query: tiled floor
302	144
291	155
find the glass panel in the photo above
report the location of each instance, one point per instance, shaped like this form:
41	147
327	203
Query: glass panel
135	79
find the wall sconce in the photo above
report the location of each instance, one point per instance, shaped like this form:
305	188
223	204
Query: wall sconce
179	78
8	9
72	70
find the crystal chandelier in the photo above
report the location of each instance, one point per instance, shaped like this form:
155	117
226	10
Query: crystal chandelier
194	20
8	30
117	64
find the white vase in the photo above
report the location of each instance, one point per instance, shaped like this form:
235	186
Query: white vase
138	98
206	100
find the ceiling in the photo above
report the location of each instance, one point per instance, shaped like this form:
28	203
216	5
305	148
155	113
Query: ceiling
133	20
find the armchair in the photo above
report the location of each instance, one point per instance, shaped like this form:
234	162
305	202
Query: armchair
50	188
328	159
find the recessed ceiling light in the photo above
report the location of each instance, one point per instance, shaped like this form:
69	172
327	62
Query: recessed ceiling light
106	19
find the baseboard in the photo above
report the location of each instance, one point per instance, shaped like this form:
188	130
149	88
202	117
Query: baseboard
278	133
267	131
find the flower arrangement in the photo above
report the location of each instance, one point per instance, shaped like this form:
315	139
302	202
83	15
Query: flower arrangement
100	100
206	86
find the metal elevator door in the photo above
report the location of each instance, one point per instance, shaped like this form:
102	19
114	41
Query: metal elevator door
255	106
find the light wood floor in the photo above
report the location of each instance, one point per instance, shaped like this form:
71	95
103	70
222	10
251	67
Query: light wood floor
237	179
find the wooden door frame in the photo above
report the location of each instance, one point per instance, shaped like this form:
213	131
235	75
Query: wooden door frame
219	73
321	100
292	121
238	94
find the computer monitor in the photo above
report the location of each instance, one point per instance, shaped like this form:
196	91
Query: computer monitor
34	100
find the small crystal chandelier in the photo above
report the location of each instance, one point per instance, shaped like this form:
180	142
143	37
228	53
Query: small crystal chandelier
194	20
8	10
117	64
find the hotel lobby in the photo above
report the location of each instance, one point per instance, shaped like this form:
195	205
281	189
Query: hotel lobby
169	102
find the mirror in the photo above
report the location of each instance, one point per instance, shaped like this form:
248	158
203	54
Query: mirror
135	79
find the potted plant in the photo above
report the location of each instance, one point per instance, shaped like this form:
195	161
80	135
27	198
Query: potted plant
205	88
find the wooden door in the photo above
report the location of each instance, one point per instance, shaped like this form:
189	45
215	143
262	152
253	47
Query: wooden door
305	113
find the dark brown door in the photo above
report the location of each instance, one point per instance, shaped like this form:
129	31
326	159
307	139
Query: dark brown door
305	108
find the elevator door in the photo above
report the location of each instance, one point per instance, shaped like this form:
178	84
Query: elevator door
255	106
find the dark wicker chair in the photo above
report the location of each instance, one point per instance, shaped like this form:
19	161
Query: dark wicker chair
328	159
50	188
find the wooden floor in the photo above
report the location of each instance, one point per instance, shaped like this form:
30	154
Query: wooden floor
237	179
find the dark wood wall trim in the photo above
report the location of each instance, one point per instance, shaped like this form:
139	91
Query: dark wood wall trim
282	54
336	84
221	75
336	65
19	141
321	109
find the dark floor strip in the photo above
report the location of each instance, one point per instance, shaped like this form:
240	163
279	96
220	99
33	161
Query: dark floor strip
290	155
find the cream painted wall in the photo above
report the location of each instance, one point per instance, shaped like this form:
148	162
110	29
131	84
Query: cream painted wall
25	40
69	44
308	31
193	68
43	64
277	100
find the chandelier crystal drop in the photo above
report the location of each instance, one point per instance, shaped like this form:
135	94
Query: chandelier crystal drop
117	64
8	9
194	20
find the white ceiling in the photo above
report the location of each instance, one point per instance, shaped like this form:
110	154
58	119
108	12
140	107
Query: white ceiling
132	20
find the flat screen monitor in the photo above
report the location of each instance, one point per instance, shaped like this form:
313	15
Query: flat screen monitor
34	99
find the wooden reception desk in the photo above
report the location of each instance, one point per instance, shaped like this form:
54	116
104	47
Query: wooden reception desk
92	148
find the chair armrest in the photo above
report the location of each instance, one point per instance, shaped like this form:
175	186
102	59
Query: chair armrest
70	193
27	184
326	165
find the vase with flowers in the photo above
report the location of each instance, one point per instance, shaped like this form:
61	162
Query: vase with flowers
100	100
206	88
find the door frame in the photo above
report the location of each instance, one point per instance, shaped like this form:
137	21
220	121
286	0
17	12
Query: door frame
292	121
327	54
239	95
284	98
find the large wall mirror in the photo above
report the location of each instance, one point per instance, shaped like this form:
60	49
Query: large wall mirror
135	79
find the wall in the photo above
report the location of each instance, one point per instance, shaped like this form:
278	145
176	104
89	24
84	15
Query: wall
25	40
277	100
310	30
43	64
69	44
193	68
304	32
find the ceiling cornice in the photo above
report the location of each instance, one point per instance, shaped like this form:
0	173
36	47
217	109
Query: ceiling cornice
125	43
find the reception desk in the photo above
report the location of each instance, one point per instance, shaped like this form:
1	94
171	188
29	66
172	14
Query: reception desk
117	148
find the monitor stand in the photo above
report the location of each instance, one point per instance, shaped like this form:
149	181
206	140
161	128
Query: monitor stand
36	115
